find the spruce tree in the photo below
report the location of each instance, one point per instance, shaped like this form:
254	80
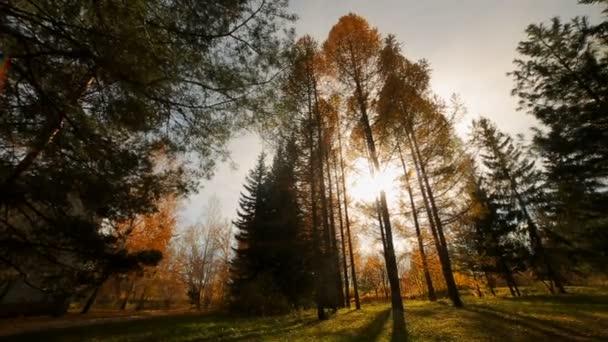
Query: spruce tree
562	79
249	279
289	243
516	187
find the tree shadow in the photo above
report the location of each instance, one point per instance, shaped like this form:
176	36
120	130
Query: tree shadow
374	329
564	299
261	333
542	329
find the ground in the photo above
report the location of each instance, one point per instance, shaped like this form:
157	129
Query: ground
579	316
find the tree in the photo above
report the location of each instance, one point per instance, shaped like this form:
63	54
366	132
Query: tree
561	79
517	182
424	263
487	242
352	49
204	254
94	92
406	109
292	268
271	269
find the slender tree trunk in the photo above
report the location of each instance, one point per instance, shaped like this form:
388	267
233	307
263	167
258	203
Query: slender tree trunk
535	240
353	272
343	242
381	228
425	267
490	283
335	254
391	262
432	224
142	297
90	300
506	270
443	253
123	306
6	287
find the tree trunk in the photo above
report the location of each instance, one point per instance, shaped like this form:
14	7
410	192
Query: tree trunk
444	255
327	263
90	300
140	302
4	290
123	306
425	267
335	254
353	272
391	261
490	283
343	242
535	240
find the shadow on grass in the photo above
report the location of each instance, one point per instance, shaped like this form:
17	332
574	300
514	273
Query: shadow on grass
182	327
564	299
541	329
373	330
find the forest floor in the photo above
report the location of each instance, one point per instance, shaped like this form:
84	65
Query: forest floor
581	315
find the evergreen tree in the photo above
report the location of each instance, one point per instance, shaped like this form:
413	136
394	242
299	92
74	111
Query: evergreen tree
516	188
562	79
292	269
271	271
488	246
249	279
101	101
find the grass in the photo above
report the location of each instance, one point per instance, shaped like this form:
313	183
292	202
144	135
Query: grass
580	316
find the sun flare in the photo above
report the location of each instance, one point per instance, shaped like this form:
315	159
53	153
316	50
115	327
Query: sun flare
365	188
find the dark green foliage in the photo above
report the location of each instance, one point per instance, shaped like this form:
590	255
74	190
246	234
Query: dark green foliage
102	101
514	188
489	244
562	79
271	270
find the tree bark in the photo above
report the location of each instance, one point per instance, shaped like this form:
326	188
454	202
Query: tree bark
427	274
391	262
335	254
347	222
342	240
438	235
90	300
123	306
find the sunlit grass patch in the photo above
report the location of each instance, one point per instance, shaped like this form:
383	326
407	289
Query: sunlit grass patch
573	317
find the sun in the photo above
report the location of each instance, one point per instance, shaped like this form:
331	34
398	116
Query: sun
365	188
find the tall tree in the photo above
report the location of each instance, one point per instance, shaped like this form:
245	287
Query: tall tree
562	79
407	111
347	221
518	182
425	268
352	49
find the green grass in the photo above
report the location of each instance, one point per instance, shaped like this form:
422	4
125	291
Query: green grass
581	316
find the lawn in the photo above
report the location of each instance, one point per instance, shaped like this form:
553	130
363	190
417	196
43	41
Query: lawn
580	316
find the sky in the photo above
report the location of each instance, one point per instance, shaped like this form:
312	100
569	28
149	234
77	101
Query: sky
470	45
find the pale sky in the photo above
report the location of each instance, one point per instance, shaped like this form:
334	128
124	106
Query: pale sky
470	45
